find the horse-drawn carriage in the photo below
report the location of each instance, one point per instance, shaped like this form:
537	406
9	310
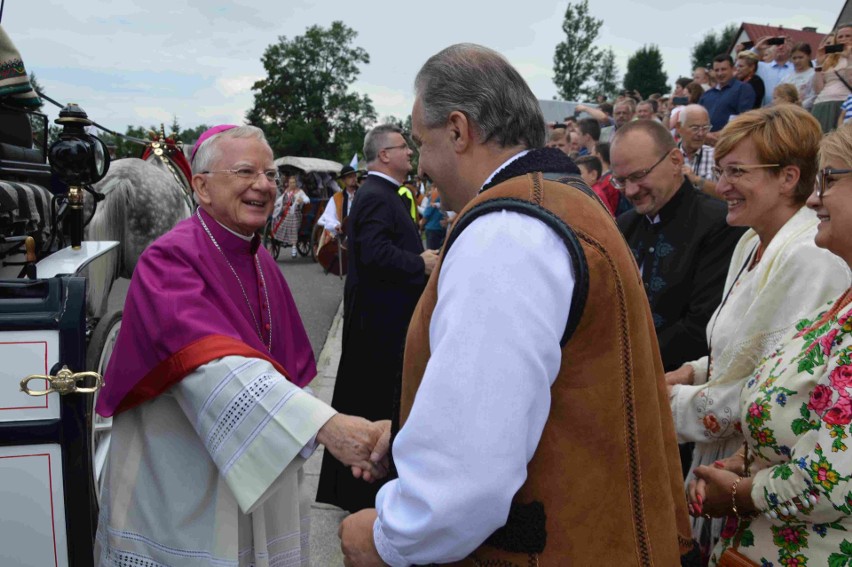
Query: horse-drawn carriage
316	177
56	333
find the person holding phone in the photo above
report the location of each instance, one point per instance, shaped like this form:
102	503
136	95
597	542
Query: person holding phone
802	76
832	79
778	69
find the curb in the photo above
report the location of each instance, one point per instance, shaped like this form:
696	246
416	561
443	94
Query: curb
329	357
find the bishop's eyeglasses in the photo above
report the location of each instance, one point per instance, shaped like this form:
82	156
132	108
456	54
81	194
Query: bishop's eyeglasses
248	173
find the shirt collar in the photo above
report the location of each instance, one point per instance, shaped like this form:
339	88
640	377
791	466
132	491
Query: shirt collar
384	176
504	164
669	210
235	233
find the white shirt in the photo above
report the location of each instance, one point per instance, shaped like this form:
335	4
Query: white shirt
328	220
388	177
504	294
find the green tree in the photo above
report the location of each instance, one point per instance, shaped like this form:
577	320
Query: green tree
645	72
304	105
711	45
605	77
575	58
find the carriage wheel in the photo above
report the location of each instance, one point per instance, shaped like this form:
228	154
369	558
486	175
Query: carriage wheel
304	247
98	354
275	248
267	235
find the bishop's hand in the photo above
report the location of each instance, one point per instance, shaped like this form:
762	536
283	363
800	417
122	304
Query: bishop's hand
379	457
351	440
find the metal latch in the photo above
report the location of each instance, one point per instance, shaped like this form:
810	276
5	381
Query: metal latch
65	382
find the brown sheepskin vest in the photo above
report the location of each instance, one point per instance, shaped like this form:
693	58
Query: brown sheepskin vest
605	485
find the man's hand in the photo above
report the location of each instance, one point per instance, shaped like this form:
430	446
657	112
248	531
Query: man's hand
430	258
379	456
356	540
683	375
351	440
687	171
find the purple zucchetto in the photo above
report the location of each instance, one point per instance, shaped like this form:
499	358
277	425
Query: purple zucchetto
207	134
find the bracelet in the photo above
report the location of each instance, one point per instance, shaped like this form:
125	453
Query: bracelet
734	497
734	501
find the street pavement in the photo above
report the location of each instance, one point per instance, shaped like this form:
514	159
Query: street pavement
319	299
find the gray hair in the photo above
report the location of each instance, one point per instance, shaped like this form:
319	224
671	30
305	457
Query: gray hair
376	139
208	153
690	108
481	84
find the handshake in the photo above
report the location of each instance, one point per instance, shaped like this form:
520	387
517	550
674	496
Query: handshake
360	444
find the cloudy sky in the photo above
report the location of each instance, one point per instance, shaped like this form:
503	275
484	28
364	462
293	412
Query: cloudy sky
141	62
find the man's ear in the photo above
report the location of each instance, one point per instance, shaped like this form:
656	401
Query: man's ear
200	187
460	130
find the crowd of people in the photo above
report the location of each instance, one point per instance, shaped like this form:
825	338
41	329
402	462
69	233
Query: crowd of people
590	294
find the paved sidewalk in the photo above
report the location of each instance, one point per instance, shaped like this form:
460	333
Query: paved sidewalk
325	518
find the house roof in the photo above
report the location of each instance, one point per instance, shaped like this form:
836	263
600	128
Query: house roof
756	31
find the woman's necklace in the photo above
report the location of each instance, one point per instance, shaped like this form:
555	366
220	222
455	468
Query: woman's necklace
838	305
245	295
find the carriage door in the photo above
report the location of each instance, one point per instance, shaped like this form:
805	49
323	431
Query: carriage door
48	510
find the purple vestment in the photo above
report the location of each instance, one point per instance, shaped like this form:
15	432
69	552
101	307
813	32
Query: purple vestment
185	308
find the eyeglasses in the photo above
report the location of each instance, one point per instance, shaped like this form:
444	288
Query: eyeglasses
734	172
248	173
636	176
696	129
399	147
824	179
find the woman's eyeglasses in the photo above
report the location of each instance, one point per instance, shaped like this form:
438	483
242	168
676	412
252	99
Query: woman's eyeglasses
734	172
824	179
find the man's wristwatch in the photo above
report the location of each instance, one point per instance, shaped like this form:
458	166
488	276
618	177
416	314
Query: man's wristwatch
701	181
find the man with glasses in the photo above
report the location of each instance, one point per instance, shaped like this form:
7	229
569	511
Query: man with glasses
692	127
678	235
210	422
386	273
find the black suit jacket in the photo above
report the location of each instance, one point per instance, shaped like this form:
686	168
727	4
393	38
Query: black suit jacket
684	260
384	246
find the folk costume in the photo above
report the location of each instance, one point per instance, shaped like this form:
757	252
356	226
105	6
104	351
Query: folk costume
210	423
385	279
337	210
762	302
533	410
287	216
683	254
796	414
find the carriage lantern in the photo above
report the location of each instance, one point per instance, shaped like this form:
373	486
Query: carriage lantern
78	159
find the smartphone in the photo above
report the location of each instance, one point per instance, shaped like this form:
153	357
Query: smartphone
680	100
748	44
776	41
834	48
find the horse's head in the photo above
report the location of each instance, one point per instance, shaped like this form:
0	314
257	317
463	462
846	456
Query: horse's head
169	152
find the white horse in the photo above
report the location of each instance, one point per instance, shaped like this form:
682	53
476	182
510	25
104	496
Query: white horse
143	199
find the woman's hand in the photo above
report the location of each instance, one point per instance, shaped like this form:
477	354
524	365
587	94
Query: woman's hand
684	375
735	463
713	490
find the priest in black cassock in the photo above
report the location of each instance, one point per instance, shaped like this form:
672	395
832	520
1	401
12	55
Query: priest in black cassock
388	269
